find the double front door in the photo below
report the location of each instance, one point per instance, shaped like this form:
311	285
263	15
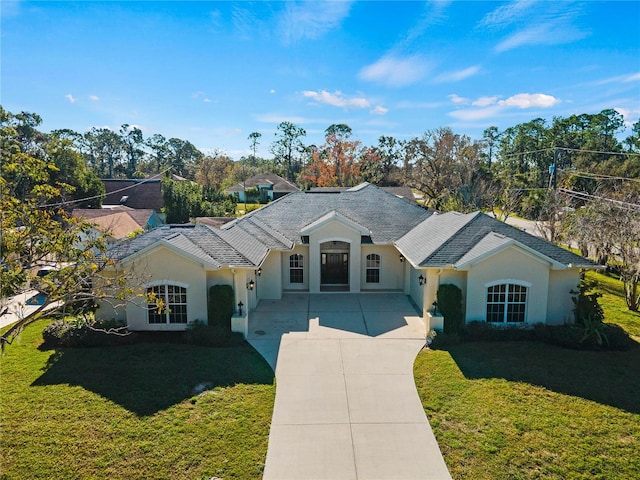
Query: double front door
334	269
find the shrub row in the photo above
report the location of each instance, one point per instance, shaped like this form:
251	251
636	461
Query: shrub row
81	333
602	336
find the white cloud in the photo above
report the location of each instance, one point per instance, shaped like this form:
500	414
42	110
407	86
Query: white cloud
272	91
379	110
457	99
530	100
336	99
456	76
471	114
507	14
535	23
628	78
484	101
70	97
488	107
94	98
206	100
396	71
311	19
551	33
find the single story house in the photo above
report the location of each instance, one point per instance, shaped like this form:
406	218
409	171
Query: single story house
359	240
120	221
270	187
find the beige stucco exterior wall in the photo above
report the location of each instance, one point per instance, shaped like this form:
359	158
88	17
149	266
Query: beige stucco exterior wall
509	264
269	284
416	291
284	269
560	305
334	230
391	268
163	264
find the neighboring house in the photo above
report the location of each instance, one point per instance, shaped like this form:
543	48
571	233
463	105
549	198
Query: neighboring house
134	193
359	240
270	187
120	221
404	193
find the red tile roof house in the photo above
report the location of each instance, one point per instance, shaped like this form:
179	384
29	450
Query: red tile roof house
359	240
270	187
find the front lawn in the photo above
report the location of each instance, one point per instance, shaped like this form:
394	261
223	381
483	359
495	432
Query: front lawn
614	305
527	410
131	412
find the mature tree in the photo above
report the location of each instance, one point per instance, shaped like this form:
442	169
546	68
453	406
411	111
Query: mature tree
490	137
159	152
288	147
33	235
184	201
215	171
445	166
79	186
335	164
379	164
104	151
184	157
133	142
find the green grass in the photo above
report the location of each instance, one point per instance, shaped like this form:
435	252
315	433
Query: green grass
129	412
614	305
525	410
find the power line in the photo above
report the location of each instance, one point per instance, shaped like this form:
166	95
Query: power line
598	151
601	176
593	198
102	195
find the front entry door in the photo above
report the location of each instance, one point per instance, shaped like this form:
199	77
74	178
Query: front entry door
334	269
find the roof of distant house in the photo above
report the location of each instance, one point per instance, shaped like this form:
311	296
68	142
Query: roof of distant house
134	193
402	192
279	184
141	215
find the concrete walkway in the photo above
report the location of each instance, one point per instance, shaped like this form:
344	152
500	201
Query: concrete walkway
346	404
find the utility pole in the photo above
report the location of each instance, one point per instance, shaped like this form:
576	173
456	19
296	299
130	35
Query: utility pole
553	171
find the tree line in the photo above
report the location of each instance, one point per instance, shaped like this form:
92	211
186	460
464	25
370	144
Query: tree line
539	169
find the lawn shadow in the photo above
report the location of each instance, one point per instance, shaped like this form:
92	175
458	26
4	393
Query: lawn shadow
146	378
610	378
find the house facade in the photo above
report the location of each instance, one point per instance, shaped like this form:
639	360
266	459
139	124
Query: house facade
359	240
269	187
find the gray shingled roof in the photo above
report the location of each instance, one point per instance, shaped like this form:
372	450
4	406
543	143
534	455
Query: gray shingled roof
214	246
279	184
454	238
386	216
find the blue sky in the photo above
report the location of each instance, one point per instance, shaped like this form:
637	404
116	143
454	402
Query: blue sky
213	72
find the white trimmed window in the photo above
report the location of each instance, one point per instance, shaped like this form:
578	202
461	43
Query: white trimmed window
507	302
296	268
373	268
169	304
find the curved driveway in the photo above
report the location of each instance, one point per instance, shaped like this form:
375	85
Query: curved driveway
346	404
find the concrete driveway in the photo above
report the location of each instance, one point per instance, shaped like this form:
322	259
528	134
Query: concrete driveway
346	404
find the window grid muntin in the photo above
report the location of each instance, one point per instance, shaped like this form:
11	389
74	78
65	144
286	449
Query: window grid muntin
174	298
296	268
506	303
372	274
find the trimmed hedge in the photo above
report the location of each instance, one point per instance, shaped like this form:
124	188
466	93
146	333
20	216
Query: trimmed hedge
450	304
220	306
